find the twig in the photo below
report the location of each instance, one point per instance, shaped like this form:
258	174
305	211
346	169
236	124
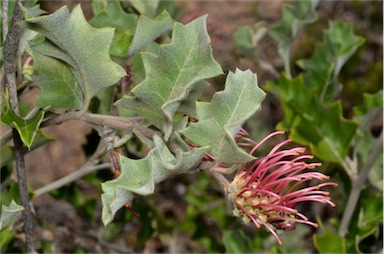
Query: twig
5	19
87	168
74	115
104	244
23	190
357	186
11	45
114	122
6	137
70	178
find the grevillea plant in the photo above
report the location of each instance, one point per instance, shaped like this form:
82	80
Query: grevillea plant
80	66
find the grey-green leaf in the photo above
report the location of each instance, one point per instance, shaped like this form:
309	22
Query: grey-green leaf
83	48
59	88
173	74
221	119
141	176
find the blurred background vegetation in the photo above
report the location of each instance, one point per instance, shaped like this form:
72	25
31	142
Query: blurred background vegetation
188	214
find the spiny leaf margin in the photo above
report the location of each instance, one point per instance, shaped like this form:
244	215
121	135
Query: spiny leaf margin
69	38
173	74
221	119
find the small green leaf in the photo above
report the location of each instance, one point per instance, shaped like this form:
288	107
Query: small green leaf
371	101
243	37
330	242
221	119
148	30
83	48
324	66
113	15
318	76
371	213
343	39
323	128
236	242
173	74
27	128
141	176
294	17
9	214
97	6
5	237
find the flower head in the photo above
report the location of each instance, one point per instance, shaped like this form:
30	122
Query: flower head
267	191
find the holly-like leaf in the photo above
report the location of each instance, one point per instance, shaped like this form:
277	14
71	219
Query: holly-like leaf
322	69
148	30
141	176
83	48
113	15
294	17
371	102
221	119
173	74
27	128
55	79
322	127
9	214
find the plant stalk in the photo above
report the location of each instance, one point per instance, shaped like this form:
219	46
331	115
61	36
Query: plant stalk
357	187
11	45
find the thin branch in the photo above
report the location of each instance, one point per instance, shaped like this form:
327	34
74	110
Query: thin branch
114	122
73	115
70	178
11	45
87	168
23	190
224	183
6	137
5	19
357	186
109	246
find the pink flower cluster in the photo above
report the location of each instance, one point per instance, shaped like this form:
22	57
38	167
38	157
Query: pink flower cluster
266	191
